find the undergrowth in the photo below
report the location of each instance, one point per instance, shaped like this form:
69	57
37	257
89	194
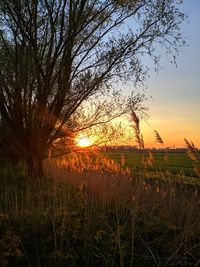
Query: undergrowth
121	220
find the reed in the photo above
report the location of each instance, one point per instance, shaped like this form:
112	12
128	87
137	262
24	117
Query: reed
96	212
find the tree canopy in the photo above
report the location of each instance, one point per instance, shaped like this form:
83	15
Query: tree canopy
57	54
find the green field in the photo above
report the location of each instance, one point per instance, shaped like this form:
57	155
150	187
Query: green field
177	162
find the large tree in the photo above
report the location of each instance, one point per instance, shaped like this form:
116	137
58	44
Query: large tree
57	54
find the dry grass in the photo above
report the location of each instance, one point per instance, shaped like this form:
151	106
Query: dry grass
108	216
95	212
110	182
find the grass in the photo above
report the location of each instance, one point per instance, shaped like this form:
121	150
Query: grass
94	212
176	161
109	209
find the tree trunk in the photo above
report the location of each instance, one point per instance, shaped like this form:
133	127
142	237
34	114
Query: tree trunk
35	166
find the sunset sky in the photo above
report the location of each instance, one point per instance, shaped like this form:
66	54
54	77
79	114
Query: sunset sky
175	108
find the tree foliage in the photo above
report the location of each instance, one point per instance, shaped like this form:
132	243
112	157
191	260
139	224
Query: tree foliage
57	54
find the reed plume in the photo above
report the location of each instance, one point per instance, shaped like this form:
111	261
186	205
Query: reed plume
158	137
191	150
136	127
192	153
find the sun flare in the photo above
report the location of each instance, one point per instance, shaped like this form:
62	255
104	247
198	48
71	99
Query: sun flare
84	142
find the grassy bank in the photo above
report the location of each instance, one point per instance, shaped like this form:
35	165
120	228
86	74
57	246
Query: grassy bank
95	216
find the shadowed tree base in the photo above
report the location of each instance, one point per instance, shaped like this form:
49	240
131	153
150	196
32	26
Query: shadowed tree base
35	167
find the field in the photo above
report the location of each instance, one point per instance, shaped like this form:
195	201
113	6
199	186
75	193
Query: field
101	210
175	162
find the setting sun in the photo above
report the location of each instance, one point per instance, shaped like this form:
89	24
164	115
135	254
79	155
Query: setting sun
84	142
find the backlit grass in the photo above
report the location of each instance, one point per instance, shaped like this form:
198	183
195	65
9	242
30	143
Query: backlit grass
96	212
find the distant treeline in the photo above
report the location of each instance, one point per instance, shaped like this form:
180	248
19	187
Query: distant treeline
135	149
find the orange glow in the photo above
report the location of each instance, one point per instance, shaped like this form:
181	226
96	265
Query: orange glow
84	142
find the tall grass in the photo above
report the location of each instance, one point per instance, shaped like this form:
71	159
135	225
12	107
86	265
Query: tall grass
95	212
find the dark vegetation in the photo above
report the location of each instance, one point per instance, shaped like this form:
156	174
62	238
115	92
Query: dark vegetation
94	212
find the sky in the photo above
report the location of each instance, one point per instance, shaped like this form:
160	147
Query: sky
175	107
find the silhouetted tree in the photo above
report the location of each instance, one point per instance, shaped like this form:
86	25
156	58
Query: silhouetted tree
57	54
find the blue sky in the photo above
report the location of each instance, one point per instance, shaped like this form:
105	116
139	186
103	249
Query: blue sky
175	108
